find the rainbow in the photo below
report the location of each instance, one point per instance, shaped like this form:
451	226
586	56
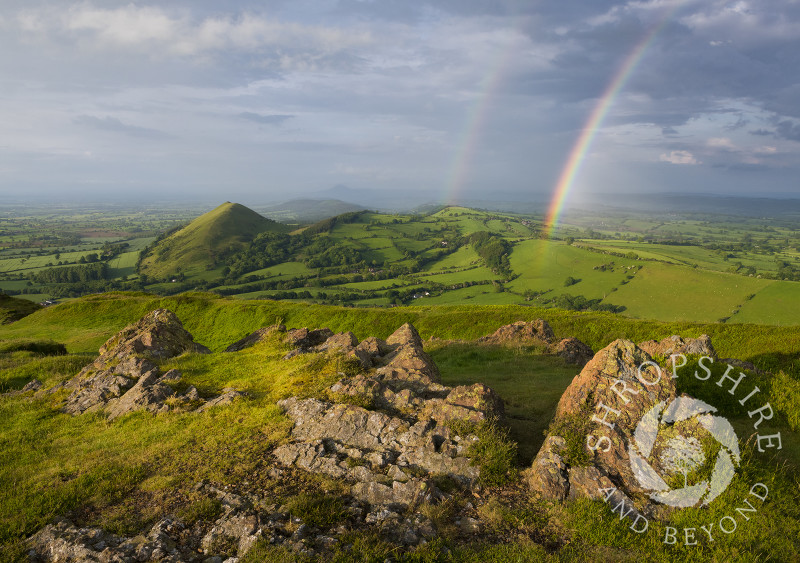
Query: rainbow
473	127
584	142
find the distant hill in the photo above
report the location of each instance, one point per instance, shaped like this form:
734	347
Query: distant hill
13	309
198	246
308	210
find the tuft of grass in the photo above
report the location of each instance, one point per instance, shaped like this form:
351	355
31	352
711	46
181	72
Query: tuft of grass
319	510
494	451
264	551
200	509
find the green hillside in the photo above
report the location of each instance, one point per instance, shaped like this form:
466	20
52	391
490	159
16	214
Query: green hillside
198	247
12	309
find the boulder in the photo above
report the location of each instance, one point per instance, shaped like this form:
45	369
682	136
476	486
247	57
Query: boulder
573	351
125	377
305	338
621	398
677	345
548	474
537	331
159	335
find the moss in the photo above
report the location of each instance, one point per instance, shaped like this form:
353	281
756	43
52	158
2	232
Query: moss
356	462
574	428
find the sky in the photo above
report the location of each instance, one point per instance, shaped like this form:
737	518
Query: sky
271	100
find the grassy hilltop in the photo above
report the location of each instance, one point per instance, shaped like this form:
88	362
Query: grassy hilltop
122	476
199	246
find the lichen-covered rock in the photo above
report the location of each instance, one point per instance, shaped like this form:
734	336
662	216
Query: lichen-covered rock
346	441
573	351
386	429
159	334
65	543
254	338
537	331
548	474
229	394
149	393
601	412
125	377
238	527
305	338
677	345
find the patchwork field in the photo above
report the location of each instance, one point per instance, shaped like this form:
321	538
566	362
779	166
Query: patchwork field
665	268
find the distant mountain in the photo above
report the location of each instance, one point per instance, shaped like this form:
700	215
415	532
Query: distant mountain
384	200
199	245
697	203
308	210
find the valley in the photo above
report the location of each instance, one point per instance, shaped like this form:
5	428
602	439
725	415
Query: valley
671	267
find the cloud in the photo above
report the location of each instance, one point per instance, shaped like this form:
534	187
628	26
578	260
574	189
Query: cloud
788	130
116	126
679	157
721	143
275	119
156	31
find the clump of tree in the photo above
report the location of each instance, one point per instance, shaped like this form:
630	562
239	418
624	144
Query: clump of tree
493	250
581	303
89	272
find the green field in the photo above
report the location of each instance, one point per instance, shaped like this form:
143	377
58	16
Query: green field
678	293
657	267
545	265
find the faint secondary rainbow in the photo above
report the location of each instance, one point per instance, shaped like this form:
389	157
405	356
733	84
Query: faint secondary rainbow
473	127
582	145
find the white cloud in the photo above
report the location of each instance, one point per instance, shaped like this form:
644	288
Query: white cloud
721	143
766	150
154	30
679	157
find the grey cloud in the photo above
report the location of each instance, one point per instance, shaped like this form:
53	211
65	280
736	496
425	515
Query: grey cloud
788	130
115	125
274	119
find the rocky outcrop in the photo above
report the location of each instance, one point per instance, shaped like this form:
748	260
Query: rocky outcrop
126	378
157	335
607	430
245	518
676	345
573	351
537	331
386	430
64	542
